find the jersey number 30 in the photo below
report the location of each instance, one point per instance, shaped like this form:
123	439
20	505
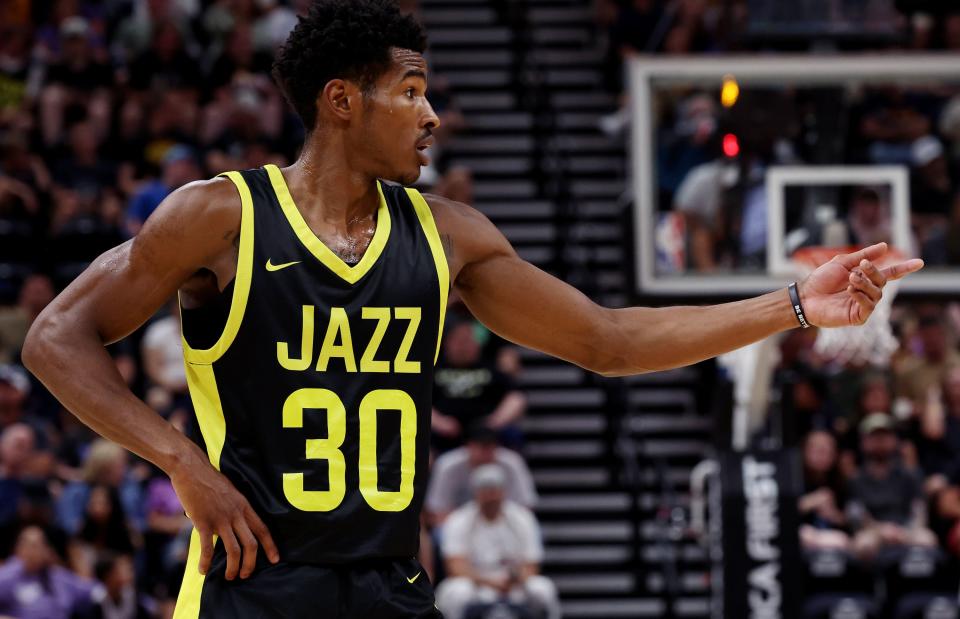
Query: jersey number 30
329	449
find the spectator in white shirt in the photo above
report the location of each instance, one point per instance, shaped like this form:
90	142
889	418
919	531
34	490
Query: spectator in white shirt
493	553
163	362
450	479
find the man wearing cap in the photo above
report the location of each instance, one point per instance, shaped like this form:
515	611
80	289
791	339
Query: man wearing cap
79	78
450	478
493	552
886	506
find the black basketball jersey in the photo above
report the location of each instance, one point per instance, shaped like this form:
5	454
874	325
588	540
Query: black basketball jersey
315	401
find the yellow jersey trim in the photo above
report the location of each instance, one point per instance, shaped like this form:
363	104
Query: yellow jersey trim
241	285
425	215
206	403
350	274
188	600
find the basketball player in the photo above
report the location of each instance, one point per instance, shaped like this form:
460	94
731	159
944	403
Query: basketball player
312	300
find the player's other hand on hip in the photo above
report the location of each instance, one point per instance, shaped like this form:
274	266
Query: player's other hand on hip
216	507
844	291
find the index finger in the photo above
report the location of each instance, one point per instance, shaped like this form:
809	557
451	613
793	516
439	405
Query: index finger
262	534
896	271
867	253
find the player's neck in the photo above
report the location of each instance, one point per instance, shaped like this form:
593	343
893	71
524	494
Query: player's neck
324	183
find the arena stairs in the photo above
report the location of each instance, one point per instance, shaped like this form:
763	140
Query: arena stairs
611	457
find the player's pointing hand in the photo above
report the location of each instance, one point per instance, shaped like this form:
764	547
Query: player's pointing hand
844	291
216	507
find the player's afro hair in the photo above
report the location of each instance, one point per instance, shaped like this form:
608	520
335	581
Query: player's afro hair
345	39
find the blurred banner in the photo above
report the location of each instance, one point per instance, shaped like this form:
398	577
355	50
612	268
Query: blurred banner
761	551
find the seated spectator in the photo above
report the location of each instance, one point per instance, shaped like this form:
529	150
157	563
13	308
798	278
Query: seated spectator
35	293
858	394
274	24
449	487
947	506
167	64
494	349
83	168
942	248
820	506
886	503
119	598
467	389
21	162
247	110
493	553
868	218
104	530
105	464
165	521
939	446
163	364
14	389
80	79
179	168
927	369
17	443
33	586
237	57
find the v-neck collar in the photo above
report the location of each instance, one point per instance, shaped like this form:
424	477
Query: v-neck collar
350	274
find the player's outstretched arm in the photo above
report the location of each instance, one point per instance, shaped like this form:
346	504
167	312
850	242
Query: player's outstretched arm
192	229
530	307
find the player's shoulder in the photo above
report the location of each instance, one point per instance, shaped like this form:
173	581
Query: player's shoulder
200	205
452	211
467	228
216	196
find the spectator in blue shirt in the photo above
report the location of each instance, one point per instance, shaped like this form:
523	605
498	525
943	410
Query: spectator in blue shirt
179	168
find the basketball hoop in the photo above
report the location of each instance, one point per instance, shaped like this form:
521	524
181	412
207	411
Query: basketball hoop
871	343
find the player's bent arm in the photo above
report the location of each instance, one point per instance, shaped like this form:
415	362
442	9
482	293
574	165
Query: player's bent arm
192	229
525	305
118	292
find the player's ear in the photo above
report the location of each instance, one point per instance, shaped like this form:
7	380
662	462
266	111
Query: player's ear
339	98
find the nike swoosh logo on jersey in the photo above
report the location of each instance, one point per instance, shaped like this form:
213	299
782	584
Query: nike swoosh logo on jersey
414	579
276	267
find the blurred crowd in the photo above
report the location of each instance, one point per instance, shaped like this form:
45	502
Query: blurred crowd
881	444
106	107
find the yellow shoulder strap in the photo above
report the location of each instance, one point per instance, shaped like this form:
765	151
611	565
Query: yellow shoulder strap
425	215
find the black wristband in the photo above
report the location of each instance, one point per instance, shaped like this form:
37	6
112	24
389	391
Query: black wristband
797	307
